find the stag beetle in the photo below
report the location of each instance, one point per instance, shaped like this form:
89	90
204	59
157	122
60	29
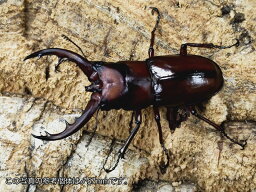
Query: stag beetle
178	82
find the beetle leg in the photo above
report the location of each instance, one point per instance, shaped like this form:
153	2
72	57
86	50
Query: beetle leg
171	117
123	149
157	118
152	39
219	128
183	48
131	122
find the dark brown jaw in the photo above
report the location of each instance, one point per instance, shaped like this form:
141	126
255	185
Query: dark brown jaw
65	55
96	98
88	112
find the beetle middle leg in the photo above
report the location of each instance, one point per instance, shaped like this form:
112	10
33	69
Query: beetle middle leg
123	149
160	132
219	128
183	48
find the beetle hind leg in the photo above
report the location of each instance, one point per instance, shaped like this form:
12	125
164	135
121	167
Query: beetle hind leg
219	128
183	48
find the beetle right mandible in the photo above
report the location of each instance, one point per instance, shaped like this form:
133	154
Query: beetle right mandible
178	82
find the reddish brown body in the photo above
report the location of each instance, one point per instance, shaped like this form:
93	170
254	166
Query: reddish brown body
184	80
177	82
165	81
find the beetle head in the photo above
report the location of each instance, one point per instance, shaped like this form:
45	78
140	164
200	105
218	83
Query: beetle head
107	85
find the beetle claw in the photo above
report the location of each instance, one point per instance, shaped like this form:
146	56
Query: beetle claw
243	145
237	43
163	166
154	9
120	156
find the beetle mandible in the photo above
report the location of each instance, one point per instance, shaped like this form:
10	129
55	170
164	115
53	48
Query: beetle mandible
178	82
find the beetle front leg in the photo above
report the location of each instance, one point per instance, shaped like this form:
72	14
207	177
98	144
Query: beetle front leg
122	151
183	48
160	132
219	128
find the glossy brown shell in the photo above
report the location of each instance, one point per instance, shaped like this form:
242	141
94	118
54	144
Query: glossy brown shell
184	80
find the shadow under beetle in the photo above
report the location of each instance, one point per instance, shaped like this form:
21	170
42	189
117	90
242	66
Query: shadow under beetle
178	82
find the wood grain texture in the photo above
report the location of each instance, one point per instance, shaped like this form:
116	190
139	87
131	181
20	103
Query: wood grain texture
120	30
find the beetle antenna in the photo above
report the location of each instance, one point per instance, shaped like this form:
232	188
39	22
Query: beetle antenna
152	39
68	39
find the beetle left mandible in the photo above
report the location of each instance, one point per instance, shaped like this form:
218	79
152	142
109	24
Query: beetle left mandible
177	82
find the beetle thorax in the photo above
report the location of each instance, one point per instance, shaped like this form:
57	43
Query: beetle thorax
109	82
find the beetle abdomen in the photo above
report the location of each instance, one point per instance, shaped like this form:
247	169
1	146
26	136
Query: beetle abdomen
184	80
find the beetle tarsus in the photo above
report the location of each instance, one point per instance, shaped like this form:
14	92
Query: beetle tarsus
93	88
123	149
237	43
109	152
183	48
234	141
160	134
113	168
152	39
226	47
163	166
219	128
